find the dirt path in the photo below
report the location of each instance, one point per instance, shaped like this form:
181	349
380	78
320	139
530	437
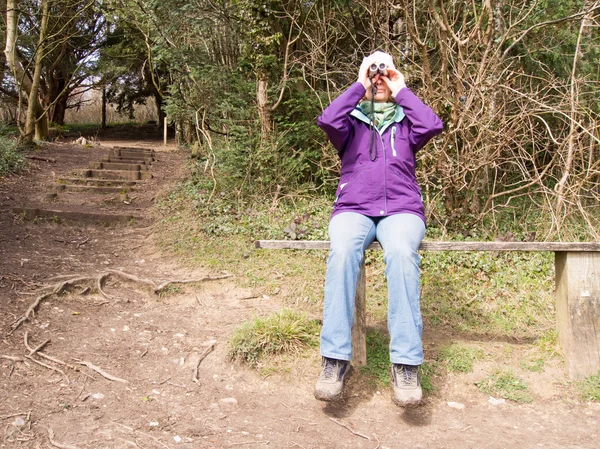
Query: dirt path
152	344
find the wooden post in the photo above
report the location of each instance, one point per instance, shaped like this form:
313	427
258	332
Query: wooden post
578	311
165	130
359	328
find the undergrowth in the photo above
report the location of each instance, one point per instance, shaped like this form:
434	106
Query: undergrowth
11	159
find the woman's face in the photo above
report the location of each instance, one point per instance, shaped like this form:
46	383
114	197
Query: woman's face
383	94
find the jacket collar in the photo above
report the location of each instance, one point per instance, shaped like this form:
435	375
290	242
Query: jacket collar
357	113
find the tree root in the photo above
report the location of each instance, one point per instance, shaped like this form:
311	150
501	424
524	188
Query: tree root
202	357
11	358
56	290
54	443
102	372
36	351
99	281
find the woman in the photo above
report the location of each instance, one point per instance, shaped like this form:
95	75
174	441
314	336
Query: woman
377	125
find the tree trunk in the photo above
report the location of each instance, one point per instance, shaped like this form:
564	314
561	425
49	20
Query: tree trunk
56	99
103	107
34	122
159	111
264	112
36	119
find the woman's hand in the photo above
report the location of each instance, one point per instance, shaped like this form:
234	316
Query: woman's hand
363	73
394	81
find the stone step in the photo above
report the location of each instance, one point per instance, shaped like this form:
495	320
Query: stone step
117	166
112	174
93	189
98	182
61	216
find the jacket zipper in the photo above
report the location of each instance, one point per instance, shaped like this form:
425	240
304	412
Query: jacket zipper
384	173
393	138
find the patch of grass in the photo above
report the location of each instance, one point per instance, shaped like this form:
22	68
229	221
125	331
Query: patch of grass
460	359
544	348
378	358
427	371
282	332
170	289
589	388
506	385
548	344
534	364
487	292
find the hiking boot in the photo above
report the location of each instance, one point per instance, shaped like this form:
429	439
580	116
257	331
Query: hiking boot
407	388
331	381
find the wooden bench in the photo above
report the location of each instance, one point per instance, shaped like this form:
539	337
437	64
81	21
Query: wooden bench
577	274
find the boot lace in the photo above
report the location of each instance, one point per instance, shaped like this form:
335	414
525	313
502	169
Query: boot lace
328	370
407	375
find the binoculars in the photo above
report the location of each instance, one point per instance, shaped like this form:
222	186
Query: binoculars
376	68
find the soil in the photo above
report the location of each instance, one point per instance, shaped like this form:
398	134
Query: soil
162	394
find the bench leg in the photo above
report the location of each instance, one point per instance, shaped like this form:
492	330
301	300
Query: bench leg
578	311
359	328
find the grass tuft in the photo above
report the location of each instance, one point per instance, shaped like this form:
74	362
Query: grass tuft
590	388
506	385
281	332
459	358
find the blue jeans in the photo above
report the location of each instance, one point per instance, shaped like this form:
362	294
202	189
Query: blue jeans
400	236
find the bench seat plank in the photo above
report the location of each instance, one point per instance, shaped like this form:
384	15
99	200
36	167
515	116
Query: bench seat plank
446	246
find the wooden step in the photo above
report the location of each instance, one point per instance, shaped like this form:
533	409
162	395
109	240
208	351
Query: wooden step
121	151
129	160
117	166
88	188
121	147
125	154
98	182
61	216
112	174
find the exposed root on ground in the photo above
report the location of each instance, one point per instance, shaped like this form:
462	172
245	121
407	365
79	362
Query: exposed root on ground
102	372
54	443
36	350
202	357
98	283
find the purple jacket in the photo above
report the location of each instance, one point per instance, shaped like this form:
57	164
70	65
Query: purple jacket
387	185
